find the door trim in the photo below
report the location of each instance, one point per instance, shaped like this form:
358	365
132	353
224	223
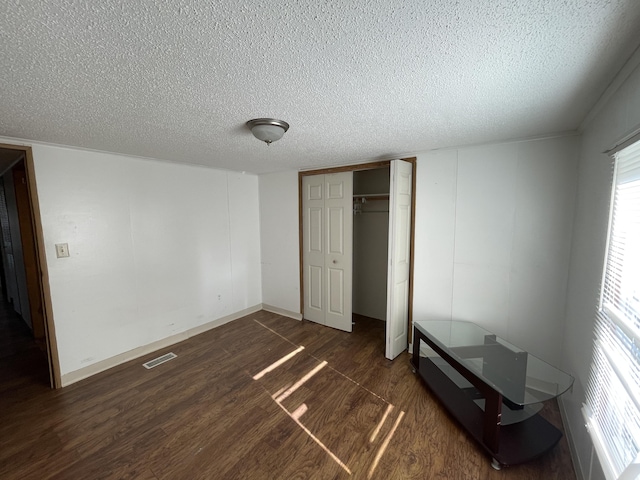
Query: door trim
355	168
50	334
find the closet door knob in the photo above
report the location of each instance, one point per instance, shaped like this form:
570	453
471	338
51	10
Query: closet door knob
335	261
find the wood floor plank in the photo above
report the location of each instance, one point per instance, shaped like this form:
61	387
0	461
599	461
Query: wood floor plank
123	459
204	415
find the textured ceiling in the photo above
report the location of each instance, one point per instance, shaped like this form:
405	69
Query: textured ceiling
357	80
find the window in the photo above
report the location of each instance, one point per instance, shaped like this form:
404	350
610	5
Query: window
612	405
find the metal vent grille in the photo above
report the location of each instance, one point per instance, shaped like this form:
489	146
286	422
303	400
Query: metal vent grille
157	361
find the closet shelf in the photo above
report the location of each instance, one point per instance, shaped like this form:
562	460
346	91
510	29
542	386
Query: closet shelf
372	196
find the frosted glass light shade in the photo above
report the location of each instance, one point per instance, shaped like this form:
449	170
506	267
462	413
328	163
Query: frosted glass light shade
268	129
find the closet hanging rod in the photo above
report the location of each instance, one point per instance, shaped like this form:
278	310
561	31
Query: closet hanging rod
373	196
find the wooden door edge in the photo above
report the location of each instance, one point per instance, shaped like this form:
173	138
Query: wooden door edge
412	245
52	344
300	245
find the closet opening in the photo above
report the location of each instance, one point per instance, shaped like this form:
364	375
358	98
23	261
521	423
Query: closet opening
370	247
356	249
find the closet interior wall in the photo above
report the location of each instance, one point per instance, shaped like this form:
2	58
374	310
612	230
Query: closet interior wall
370	242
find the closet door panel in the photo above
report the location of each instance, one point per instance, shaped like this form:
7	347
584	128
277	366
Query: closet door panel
313	255
338	260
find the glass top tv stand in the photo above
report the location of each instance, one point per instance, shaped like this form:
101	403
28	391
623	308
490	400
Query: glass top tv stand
491	387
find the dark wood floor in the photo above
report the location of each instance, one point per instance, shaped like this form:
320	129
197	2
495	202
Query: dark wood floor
336	409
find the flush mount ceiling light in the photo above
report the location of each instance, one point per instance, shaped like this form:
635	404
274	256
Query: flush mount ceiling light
268	129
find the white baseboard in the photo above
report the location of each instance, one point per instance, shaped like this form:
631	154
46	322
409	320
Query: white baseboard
281	311
577	466
101	366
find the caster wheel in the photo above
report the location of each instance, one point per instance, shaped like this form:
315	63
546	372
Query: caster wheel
496	464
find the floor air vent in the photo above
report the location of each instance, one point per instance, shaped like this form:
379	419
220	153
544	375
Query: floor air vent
157	361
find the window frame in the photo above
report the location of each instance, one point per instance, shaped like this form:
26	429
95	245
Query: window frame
613	331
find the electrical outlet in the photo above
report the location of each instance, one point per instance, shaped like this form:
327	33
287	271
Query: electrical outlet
62	250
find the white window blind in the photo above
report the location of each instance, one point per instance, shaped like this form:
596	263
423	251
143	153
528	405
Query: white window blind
612	407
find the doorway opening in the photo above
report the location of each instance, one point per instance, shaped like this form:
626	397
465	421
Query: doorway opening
25	290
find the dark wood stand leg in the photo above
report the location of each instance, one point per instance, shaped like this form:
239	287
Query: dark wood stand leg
492	419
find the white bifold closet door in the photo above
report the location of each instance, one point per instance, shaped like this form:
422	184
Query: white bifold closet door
399	258
327	203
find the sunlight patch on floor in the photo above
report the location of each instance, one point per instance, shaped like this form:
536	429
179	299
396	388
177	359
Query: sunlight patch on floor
286	391
380	424
276	364
298	412
299	383
315	439
384	445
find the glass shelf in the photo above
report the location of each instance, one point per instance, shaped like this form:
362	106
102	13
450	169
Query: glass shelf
520	377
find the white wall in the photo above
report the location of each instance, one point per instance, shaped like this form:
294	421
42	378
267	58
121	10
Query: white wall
155	248
619	116
493	233
279	233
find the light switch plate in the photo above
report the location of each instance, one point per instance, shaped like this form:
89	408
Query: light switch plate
62	250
